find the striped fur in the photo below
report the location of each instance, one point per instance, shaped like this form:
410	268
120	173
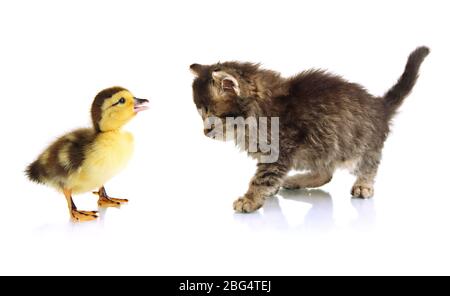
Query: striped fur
326	122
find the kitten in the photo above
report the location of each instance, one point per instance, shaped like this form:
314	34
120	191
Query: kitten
324	122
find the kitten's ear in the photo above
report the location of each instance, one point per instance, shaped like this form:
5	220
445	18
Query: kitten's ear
228	83
196	69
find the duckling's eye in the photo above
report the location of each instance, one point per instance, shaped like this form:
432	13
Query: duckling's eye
122	101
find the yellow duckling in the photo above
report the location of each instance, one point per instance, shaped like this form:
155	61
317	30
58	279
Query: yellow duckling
85	159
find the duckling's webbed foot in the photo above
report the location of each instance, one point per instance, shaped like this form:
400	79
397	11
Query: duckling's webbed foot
75	214
105	201
83	216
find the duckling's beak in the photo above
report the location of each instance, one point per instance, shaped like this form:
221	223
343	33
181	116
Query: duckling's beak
140	105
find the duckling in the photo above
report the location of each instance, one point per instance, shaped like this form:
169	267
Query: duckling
85	159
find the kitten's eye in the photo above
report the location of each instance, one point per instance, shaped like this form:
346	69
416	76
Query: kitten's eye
216	69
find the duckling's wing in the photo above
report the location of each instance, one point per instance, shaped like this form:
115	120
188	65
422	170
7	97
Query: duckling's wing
62	158
73	152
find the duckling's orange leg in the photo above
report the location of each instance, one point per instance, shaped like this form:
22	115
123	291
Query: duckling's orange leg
76	215
105	201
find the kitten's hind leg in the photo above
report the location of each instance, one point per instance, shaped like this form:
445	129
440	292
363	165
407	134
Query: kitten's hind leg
366	172
307	180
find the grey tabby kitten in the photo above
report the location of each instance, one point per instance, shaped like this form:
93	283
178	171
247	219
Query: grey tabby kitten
325	122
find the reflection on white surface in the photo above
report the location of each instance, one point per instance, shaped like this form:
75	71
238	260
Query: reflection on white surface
67	226
365	208
318	218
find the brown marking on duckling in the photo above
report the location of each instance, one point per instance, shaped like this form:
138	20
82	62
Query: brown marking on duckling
36	172
81	143
63	157
44	157
96	109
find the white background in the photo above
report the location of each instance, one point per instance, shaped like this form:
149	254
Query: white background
56	55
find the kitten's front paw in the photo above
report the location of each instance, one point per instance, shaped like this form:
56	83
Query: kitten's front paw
362	190
247	205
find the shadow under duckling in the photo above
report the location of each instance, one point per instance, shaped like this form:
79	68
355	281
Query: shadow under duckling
85	159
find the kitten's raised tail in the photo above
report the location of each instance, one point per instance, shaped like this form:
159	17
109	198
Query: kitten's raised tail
395	96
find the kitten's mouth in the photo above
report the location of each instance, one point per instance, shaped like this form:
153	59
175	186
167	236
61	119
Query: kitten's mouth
140	105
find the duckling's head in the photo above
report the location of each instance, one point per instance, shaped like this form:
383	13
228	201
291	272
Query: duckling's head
114	107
